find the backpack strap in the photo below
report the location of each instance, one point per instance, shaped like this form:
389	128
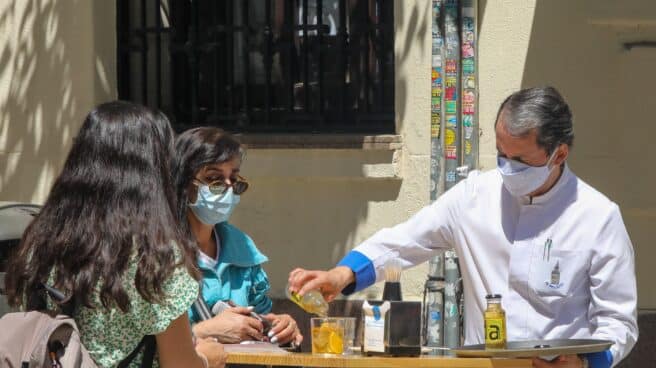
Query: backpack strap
149	351
148	344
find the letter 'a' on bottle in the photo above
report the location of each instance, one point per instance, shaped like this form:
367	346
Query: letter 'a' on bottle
311	302
495	323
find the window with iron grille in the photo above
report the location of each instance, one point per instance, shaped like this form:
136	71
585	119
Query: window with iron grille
289	66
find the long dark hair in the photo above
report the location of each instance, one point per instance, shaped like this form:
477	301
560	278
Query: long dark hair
113	201
195	149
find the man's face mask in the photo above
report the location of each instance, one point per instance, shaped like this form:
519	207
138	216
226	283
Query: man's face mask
521	179
211	208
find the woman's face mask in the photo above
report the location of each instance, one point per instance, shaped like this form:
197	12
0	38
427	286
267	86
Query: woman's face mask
521	179
211	208
217	196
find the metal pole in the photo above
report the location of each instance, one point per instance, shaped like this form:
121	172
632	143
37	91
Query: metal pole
451	92
451	300
434	305
454	131
437	158
434	288
469	99
469	87
451	148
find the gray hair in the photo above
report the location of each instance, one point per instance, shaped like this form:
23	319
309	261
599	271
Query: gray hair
542	109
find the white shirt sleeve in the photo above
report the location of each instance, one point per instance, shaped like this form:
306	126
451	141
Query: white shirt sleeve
419	238
613	287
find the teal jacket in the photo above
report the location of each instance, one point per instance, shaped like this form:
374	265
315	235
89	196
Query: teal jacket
238	276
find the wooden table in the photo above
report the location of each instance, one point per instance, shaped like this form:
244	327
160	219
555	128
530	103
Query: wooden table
359	361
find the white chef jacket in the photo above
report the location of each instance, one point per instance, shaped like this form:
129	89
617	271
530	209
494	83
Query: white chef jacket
563	261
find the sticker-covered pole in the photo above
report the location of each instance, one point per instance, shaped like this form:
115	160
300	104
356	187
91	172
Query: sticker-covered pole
469	113
451	155
451	92
433	329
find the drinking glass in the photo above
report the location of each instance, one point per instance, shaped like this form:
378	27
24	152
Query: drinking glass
349	335
327	335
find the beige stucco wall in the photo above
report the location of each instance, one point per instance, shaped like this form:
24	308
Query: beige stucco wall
324	202
576	46
309	207
57	60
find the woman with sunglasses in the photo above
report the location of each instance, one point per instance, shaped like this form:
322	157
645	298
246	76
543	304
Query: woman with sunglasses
208	187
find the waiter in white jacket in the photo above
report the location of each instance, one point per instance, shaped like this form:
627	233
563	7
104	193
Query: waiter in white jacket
553	246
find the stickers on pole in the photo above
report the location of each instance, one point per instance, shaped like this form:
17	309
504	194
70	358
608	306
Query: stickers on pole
451	91
436	101
469	95
436	98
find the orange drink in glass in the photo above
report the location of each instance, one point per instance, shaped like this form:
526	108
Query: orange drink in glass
327	335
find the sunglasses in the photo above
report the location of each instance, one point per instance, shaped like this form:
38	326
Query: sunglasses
239	185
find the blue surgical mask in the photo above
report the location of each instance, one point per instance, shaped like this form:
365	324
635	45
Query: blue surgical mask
521	179
211	208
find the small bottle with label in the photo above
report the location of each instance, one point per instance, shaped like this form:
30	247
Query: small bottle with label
311	302
495	323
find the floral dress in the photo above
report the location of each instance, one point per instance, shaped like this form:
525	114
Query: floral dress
112	335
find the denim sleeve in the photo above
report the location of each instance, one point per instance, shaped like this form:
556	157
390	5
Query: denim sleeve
362	267
260	286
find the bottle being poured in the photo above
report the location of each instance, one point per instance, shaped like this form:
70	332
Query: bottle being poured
311	302
392	289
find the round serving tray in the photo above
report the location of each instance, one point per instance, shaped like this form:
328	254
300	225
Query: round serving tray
535	348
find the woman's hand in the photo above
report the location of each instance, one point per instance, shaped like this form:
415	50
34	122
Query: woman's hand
212	351
563	361
284	329
231	326
330	283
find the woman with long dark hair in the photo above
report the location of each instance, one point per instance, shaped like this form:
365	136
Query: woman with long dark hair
107	237
206	168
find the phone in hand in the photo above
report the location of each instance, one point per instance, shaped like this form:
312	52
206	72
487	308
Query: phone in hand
222	305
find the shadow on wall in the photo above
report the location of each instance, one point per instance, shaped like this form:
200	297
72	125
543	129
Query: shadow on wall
610	90
47	69
607	87
313	222
307	223
416	29
611	93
